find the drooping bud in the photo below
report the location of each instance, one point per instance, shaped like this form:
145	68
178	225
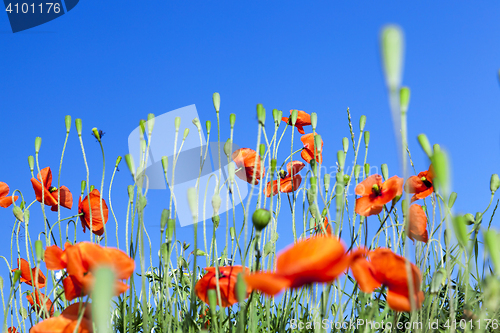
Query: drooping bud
425	144
18	213
494	183
216	202
385	171
362	122
216	100
479	217
38	143
67	122
367	138
404	98
17	275
469	219
451	200
261	218
196	122
314	120
78	125
261	114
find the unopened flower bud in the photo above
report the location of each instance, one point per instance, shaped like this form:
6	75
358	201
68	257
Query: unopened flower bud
232	120
425	144
151	122
130	164
130	191
231	169
261	114
367	138
208	126
39	250
193	201
392	49
83	184
451	200
170	228
216	100
17	275
18	213
469	219
164	164
314	120
262	149
228	148
362	122
38	143
494	183
293	117
95	131
367	169
261	218
165	214
232	232
273	165
346	179
78	125
341	159
177	123
357	170
142	128
216	202
345	144
118	160
67	121
404	98
385	171
186	132
196	122
326	181
241	288
276	117
31	162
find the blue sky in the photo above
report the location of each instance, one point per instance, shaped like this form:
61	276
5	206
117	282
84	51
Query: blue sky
112	63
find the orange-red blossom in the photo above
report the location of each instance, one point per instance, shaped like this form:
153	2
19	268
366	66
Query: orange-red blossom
85	207
27	274
286	180
421	185
308	152
375	194
38	302
227	283
388	269
5	201
67	321
418	224
249	162
303	119
81	259
49	192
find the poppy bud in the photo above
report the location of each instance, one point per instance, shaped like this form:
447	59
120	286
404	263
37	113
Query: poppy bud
479	217
216	202
67	121
101	297
232	120
186	132
262	149
17	275
440	164
18	213
130	164
92	188
193	201
196	122
208	125
31	162
367	169
118	160
492	242
185	246
357	169
151	122
276	117
38	143
164	164
404	207
83	184
216	100
241	288
314	120
142	127
438	280
340	178
261	114
215	221
469	219
293	117
317	143
78	125
39	250
494	183
346	179
170	228
404	99
385	171
392	49
96	134
460	230
273	165
232	232
24	314
261	218
451	200
341	159
345	145
314	184
326	181
22	204
362	122
367	138
130	190
313	166
425	144
228	148
310	197
1	282
177	123
231	171
436	147
396	199
165	214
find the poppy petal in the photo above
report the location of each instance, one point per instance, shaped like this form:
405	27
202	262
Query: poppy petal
294	166
286	184
365	207
401	303
365	188
391	188
274	185
4	189
53	258
363	273
5	202
45	175
268	283
66	199
418	224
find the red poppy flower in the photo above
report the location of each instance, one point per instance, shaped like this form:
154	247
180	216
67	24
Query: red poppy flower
308	151
39	301
245	159
303	119
67	321
316	259
5	201
27	274
50	192
421	185
326	225
12	330
286	181
81	259
375	194
85	207
418	224
228	276
388	269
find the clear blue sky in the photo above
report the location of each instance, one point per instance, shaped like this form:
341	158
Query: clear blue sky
112	63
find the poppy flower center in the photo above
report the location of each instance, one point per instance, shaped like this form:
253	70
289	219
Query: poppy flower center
426	182
52	189
376	189
282	174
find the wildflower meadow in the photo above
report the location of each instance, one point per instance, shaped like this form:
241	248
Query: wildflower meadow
371	248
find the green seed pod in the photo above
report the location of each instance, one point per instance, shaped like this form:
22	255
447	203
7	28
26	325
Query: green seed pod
494	183
39	250
92	187
31	162
142	128
293	117
362	122
436	148
451	200
208	125
404	98
118	160
95	131
38	143
367	138
357	170
151	122
261	114
313	164
18	213
261	218
346	179
165	214
273	165
67	121
164	164
185	246
241	288
441	171
276	117
314	120
317	143
186	132
232	120
425	144
341	159
216	221
78	125
469	219
228	148
193	201
196	122
216	100
170	228
17	275
130	191
479	217
345	144
83	184
326	181
367	169
232	232
385	171
130	164
177	123
392	49
24	314
262	149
